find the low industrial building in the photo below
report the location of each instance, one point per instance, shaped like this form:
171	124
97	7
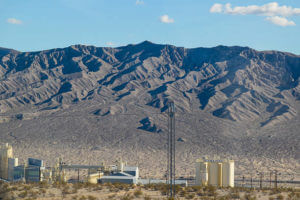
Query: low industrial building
121	174
216	172
34	171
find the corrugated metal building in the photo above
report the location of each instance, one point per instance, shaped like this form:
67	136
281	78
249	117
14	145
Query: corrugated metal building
18	173
33	171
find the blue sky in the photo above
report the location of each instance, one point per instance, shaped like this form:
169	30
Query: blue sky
30	25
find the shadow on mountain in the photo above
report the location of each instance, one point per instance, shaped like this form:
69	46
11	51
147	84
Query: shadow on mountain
147	125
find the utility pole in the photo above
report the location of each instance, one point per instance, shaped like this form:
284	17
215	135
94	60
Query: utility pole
260	180
171	149
270	179
24	172
275	179
78	176
251	181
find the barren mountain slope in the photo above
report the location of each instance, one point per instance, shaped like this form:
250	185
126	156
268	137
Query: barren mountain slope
88	104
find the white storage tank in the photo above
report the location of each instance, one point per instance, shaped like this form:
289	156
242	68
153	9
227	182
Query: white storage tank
201	172
228	173
213	174
6	152
216	172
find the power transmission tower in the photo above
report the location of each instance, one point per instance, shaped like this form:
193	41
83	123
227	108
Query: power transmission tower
171	149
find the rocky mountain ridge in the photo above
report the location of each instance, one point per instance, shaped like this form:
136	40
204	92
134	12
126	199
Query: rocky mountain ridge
236	83
229	100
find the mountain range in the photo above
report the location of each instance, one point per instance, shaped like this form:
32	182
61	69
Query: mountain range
87	103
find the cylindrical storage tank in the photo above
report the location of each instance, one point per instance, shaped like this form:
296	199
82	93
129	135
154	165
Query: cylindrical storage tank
220	178
213	170
121	166
198	176
228	173
6	152
231	175
204	173
201	173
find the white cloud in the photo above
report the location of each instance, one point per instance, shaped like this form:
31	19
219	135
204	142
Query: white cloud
166	19
275	13
270	9
13	21
216	8
109	43
139	2
280	21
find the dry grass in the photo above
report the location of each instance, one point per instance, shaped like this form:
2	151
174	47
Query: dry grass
86	191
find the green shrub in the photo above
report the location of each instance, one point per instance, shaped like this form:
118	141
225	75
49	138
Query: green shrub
138	193
226	197
249	197
279	197
98	187
90	197
23	194
43	184
183	193
27	187
74	197
82	197
234	195
190	196
78	186
43	191
196	188
33	194
127	196
74	191
147	198
111	196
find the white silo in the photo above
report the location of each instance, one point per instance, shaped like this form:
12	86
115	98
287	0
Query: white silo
6	152
213	172
201	172
216	172
228	173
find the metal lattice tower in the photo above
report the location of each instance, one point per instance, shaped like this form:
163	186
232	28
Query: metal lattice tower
171	149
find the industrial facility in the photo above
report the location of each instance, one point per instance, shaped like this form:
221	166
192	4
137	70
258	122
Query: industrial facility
35	171
216	172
